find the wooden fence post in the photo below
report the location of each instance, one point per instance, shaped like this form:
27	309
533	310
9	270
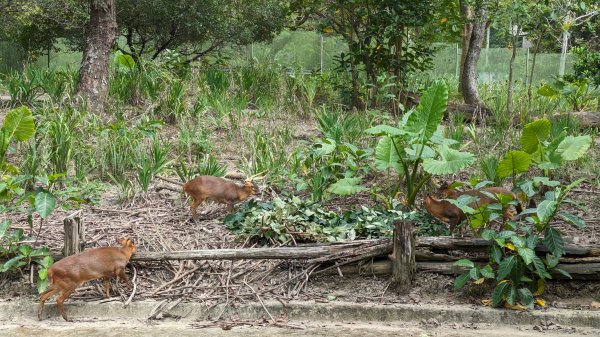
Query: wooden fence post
403	256
74	236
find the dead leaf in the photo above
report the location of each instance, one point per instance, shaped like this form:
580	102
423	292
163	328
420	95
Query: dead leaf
514	307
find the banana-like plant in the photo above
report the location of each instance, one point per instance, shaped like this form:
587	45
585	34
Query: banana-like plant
538	148
416	149
18	125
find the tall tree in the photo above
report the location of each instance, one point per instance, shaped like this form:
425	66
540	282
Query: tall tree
475	17
92	85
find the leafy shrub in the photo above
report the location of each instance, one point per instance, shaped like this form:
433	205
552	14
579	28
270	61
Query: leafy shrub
291	219
519	273
329	167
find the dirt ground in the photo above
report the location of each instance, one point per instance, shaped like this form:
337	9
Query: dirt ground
161	221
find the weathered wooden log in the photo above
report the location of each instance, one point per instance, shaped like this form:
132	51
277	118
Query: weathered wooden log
403	256
585	119
322	253
242	253
74	236
581	271
475	244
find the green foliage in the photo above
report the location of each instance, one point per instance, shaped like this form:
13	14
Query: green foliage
327	162
543	150
418	140
574	90
290	219
587	64
339	125
207	165
14	253
151	163
520	274
202	27
18	125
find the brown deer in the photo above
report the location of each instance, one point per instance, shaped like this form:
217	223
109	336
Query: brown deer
218	189
451	214
70	272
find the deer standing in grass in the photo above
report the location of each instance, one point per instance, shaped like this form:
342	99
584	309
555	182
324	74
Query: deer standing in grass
70	272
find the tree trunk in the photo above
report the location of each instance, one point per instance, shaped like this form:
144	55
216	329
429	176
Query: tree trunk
535	52
563	51
468	77
403	256
465	38
74	236
515	40
92	85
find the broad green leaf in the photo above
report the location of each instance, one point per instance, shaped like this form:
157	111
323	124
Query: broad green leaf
563	272
347	186
487	272
552	260
43	273
46	262
19	124
13	263
464	263
474	274
386	155
44	203
42	285
511	296
4	225
451	161
25	250
545	181
548	91
125	61
39	252
525	296
499	292
527	254
518	241
461	281
573	148
568	217
534	134
546	209
415	149
430	111
554	241
517	161
488	234
495	254
383	129
324	147
506	266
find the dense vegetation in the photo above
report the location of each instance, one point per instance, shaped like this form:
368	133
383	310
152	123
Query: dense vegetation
181	104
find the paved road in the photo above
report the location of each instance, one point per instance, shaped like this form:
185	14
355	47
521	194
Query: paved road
142	328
